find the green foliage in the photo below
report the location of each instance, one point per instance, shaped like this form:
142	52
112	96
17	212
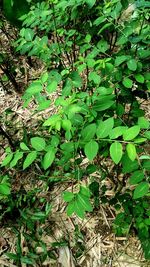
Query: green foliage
5	187
116	152
79	202
97	56
14	9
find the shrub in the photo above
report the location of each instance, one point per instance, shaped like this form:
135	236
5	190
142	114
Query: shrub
97	57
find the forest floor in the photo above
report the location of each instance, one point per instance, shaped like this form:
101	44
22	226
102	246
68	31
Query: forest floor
90	242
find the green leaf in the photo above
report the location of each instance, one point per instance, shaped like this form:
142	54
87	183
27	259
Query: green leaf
90	3
109	68
129	165
38	143
143	123
88	132
136	177
51	76
88	38
34	88
139	78
105	26
132	64
84	202
127	82
68	196
119	60
78	209
29	159
85	191
91	149
117	131
70	208
144	157
55	141
141	190
116	152
5	189
66	125
48	158
72	110
8	149
140	140
147	76
104	128
23	146
103	91
76	79
27	260
51	87
99	20
77	120
146	165
131	133
147	135
131	151
44	77
36	216
90	62
93	76
18	155
100	105
104	102
52	120
102	46
28	34
44	105
147	221
68	147
116	11
7	159
122	40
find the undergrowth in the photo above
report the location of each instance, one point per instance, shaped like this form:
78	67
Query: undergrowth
97	57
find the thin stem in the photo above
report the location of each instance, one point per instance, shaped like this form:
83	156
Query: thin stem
11	77
7	137
57	37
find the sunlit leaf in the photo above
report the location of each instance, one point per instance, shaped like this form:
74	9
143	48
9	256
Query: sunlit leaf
4	189
7	159
88	132
38	143
116	152
23	146
127	82
29	159
132	64
51	87
18	155
131	150
141	190
91	149
68	196
34	88
48	158
104	128
84	202
131	133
